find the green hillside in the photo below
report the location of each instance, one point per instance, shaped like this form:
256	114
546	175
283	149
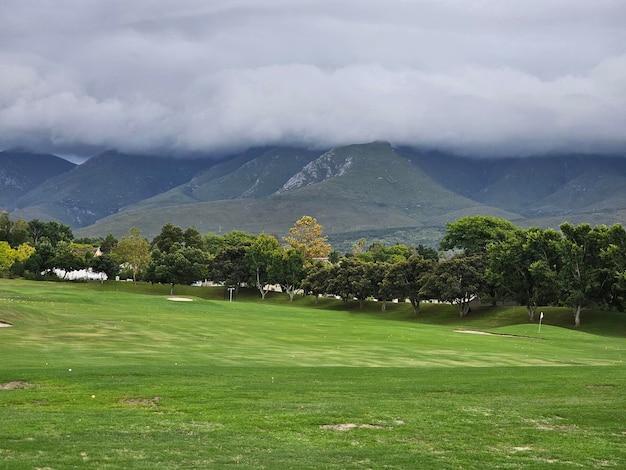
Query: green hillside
350	189
255	173
22	171
532	186
103	185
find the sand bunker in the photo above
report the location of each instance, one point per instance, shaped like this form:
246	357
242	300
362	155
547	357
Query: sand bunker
475	332
180	299
4	324
506	335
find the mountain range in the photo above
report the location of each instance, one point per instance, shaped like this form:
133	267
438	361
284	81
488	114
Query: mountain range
373	191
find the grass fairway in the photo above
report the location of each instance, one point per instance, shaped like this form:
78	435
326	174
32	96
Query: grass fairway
117	376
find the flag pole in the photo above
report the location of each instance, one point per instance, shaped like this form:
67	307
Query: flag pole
540	318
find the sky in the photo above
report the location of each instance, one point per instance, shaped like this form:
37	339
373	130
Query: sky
480	77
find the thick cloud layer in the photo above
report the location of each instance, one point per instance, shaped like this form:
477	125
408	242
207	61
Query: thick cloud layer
174	77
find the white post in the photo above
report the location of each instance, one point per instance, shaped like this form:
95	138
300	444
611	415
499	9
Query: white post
540	318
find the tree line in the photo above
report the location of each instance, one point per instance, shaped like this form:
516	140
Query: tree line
479	257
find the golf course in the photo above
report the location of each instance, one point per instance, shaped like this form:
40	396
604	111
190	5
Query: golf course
119	375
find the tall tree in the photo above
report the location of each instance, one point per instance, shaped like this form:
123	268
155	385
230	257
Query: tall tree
614	258
458	280
352	278
180	265
585	277
5	226
524	267
378	252
193	239
259	257
382	292
306	236
53	231
230	266
134	251
316	280
407	279
213	243
169	235
108	244
105	264
287	269
473	234
66	259
42	260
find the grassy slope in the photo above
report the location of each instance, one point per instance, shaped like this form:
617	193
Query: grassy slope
255	384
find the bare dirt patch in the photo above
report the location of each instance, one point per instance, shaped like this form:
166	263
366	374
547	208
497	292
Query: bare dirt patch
151	402
601	386
180	299
350	426
4	324
15	385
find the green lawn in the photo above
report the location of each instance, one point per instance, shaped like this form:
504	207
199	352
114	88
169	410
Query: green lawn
117	376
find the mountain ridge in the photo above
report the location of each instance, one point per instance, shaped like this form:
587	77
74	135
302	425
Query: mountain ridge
360	188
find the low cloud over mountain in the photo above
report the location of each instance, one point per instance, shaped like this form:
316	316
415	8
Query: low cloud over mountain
194	76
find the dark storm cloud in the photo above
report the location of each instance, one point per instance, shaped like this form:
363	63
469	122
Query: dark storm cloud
154	75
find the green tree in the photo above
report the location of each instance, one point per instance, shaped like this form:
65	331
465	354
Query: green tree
407	280
169	235
381	290
378	252
230	266
19	233
585	277
133	251
352	278
259	257
457	280
53	231
66	259
316	279
180	265
238	238
614	258
193	239
5	226
105	264
426	252
473	234
213	243
41	261
108	244
524	267
287	270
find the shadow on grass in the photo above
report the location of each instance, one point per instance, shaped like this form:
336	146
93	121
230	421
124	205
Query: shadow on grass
482	316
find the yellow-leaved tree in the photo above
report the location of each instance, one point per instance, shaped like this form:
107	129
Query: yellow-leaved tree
306	237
